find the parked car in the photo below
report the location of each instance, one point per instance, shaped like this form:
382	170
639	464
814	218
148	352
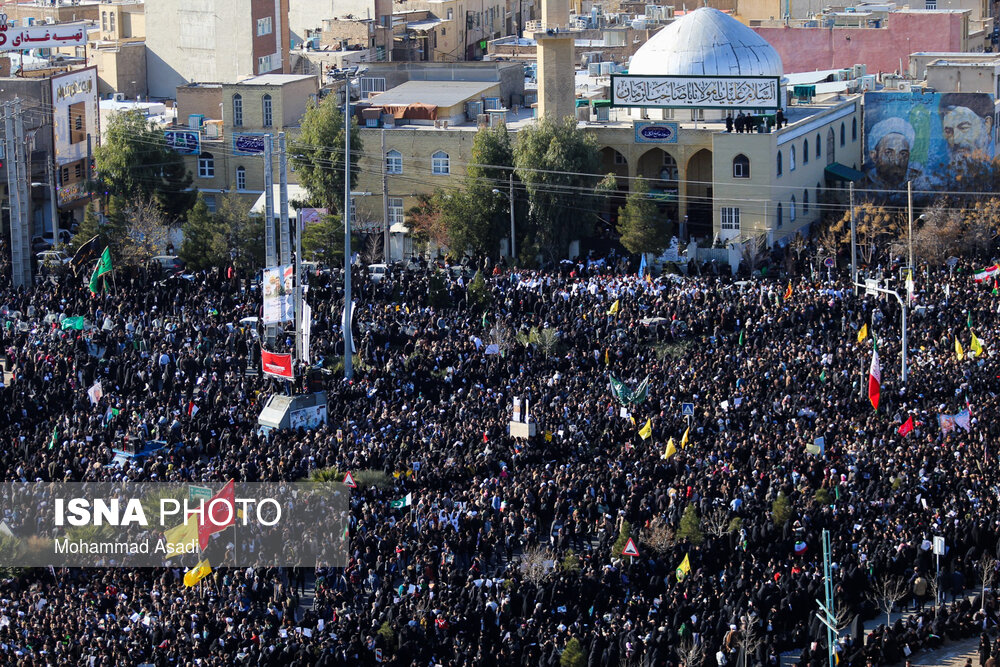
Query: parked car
376	272
169	263
52	257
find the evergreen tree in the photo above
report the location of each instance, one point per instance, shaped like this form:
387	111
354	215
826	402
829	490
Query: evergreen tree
204	239
781	509
690	528
640	224
134	162
573	655
318	154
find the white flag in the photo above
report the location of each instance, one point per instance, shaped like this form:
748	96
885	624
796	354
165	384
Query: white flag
343	324
306	331
95	393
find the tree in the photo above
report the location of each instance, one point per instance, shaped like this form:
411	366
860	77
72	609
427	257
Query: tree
886	592
318	154
323	241
877	229
573	655
134	161
640	224
477	292
146	227
92	226
204	243
244	234
690	528
781	509
658	536
624	533
425	222
470	215
558	163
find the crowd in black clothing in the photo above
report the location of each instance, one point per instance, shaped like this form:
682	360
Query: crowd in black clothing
444	581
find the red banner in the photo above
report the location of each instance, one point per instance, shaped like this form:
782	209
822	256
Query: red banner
279	365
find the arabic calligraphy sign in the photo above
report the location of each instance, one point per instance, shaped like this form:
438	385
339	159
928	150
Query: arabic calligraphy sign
186	142
248	144
695	92
41	37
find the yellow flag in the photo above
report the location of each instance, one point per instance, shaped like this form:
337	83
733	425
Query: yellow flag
976	346
614	308
684	568
684	438
548	436
646	431
197	573
607	360
863	332
959	352
180	538
670	450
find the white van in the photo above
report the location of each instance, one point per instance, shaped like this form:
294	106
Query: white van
376	272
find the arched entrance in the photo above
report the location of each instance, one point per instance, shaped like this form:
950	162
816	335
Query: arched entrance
605	228
659	168
699	194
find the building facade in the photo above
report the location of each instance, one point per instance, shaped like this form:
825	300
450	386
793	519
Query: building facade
214	40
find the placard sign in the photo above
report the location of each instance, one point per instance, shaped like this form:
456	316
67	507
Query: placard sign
248	144
696	92
187	142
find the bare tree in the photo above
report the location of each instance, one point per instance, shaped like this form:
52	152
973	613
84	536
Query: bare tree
987	571
750	640
372	252
887	592
754	251
146	231
658	536
533	564
716	521
690	652
502	336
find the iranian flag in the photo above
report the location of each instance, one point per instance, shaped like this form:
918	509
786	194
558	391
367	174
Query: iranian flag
874	379
987	273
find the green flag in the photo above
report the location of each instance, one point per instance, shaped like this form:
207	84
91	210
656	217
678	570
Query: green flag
968	322
406	501
741	337
484	320
822	376
73	323
54	438
103	266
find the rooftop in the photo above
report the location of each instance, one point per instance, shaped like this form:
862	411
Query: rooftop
433	93
274	79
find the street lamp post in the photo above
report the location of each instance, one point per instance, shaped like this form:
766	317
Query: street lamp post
348	315
510	199
903	308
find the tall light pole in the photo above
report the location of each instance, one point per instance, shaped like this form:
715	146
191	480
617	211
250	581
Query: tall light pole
348	338
510	200
854	242
909	221
871	287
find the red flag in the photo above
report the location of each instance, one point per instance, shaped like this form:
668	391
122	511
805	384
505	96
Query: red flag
218	515
788	292
485	437
279	365
874	379
907	426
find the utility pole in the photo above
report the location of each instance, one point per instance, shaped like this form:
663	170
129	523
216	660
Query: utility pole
283	238
828	617
17	182
270	251
53	204
513	249
909	220
854	243
385	206
872	287
348	338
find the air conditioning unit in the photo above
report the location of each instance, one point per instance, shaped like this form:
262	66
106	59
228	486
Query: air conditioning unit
49	20
483	120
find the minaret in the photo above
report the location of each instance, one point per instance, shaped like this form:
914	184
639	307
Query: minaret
556	84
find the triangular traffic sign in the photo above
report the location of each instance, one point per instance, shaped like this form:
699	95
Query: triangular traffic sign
630	549
349	481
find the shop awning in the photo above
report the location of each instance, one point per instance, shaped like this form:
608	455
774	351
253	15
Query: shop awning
841	172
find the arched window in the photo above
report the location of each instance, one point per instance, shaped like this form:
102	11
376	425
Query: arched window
780	220
265	103
394	162
206	165
805	201
440	164
241	178
791	158
791	210
805	151
854	129
111	21
843	134
668	172
779	163
237	110
104	21
831	146
741	166
818	153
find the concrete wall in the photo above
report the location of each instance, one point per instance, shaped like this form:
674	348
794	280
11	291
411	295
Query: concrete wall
120	69
881	49
194	99
947	78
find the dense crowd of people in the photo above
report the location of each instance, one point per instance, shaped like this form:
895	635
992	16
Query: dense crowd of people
511	552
